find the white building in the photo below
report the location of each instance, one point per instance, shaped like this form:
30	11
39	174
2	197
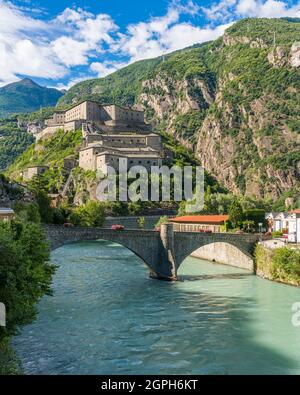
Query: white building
6	213
294	226
289	223
281	222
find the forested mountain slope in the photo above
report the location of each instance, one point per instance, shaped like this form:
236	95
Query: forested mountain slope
234	101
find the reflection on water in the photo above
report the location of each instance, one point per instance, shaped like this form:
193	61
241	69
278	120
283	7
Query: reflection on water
108	317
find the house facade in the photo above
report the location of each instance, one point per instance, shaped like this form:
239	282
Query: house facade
6	213
286	222
294	226
32	171
199	223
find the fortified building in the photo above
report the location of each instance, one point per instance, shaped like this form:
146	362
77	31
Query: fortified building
111	135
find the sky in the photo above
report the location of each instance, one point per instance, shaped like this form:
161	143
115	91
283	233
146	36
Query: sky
60	43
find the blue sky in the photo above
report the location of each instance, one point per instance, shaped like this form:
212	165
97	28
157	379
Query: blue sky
59	43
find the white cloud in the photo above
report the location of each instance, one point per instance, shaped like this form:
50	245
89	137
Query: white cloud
97	30
165	34
47	49
106	68
220	11
12	20
267	9
19	53
70	52
225	10
184	35
87	33
72	82
70	15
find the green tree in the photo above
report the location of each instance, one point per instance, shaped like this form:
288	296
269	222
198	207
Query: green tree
163	220
27	212
44	204
25	276
248	226
256	216
236	213
91	214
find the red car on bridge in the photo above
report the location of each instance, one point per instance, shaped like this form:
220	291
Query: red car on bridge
117	227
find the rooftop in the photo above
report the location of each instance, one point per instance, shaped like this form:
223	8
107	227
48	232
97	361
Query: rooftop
38	166
6	210
296	211
201	219
142	155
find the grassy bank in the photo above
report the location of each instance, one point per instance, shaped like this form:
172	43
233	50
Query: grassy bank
281	264
9	362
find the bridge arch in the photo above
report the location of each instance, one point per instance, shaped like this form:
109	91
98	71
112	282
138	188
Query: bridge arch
224	253
106	240
144	244
163	252
186	245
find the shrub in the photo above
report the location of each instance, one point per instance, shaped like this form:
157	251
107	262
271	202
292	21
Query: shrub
141	222
163	220
286	264
281	264
27	212
91	214
256	216
44	205
277	233
236	213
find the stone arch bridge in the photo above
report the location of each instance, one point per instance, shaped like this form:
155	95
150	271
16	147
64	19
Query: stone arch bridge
162	251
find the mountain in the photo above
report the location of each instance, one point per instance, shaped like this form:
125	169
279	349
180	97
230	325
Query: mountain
234	101
26	96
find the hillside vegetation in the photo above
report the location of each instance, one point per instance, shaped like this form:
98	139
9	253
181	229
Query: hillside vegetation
49	152
13	142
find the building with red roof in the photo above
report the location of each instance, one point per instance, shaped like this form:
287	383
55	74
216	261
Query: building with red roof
199	223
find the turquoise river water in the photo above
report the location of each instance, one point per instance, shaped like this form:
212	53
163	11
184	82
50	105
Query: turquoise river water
108	317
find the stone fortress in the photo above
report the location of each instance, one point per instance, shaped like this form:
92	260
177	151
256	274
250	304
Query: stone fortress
111	135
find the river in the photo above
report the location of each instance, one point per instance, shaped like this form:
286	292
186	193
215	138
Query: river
108	317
